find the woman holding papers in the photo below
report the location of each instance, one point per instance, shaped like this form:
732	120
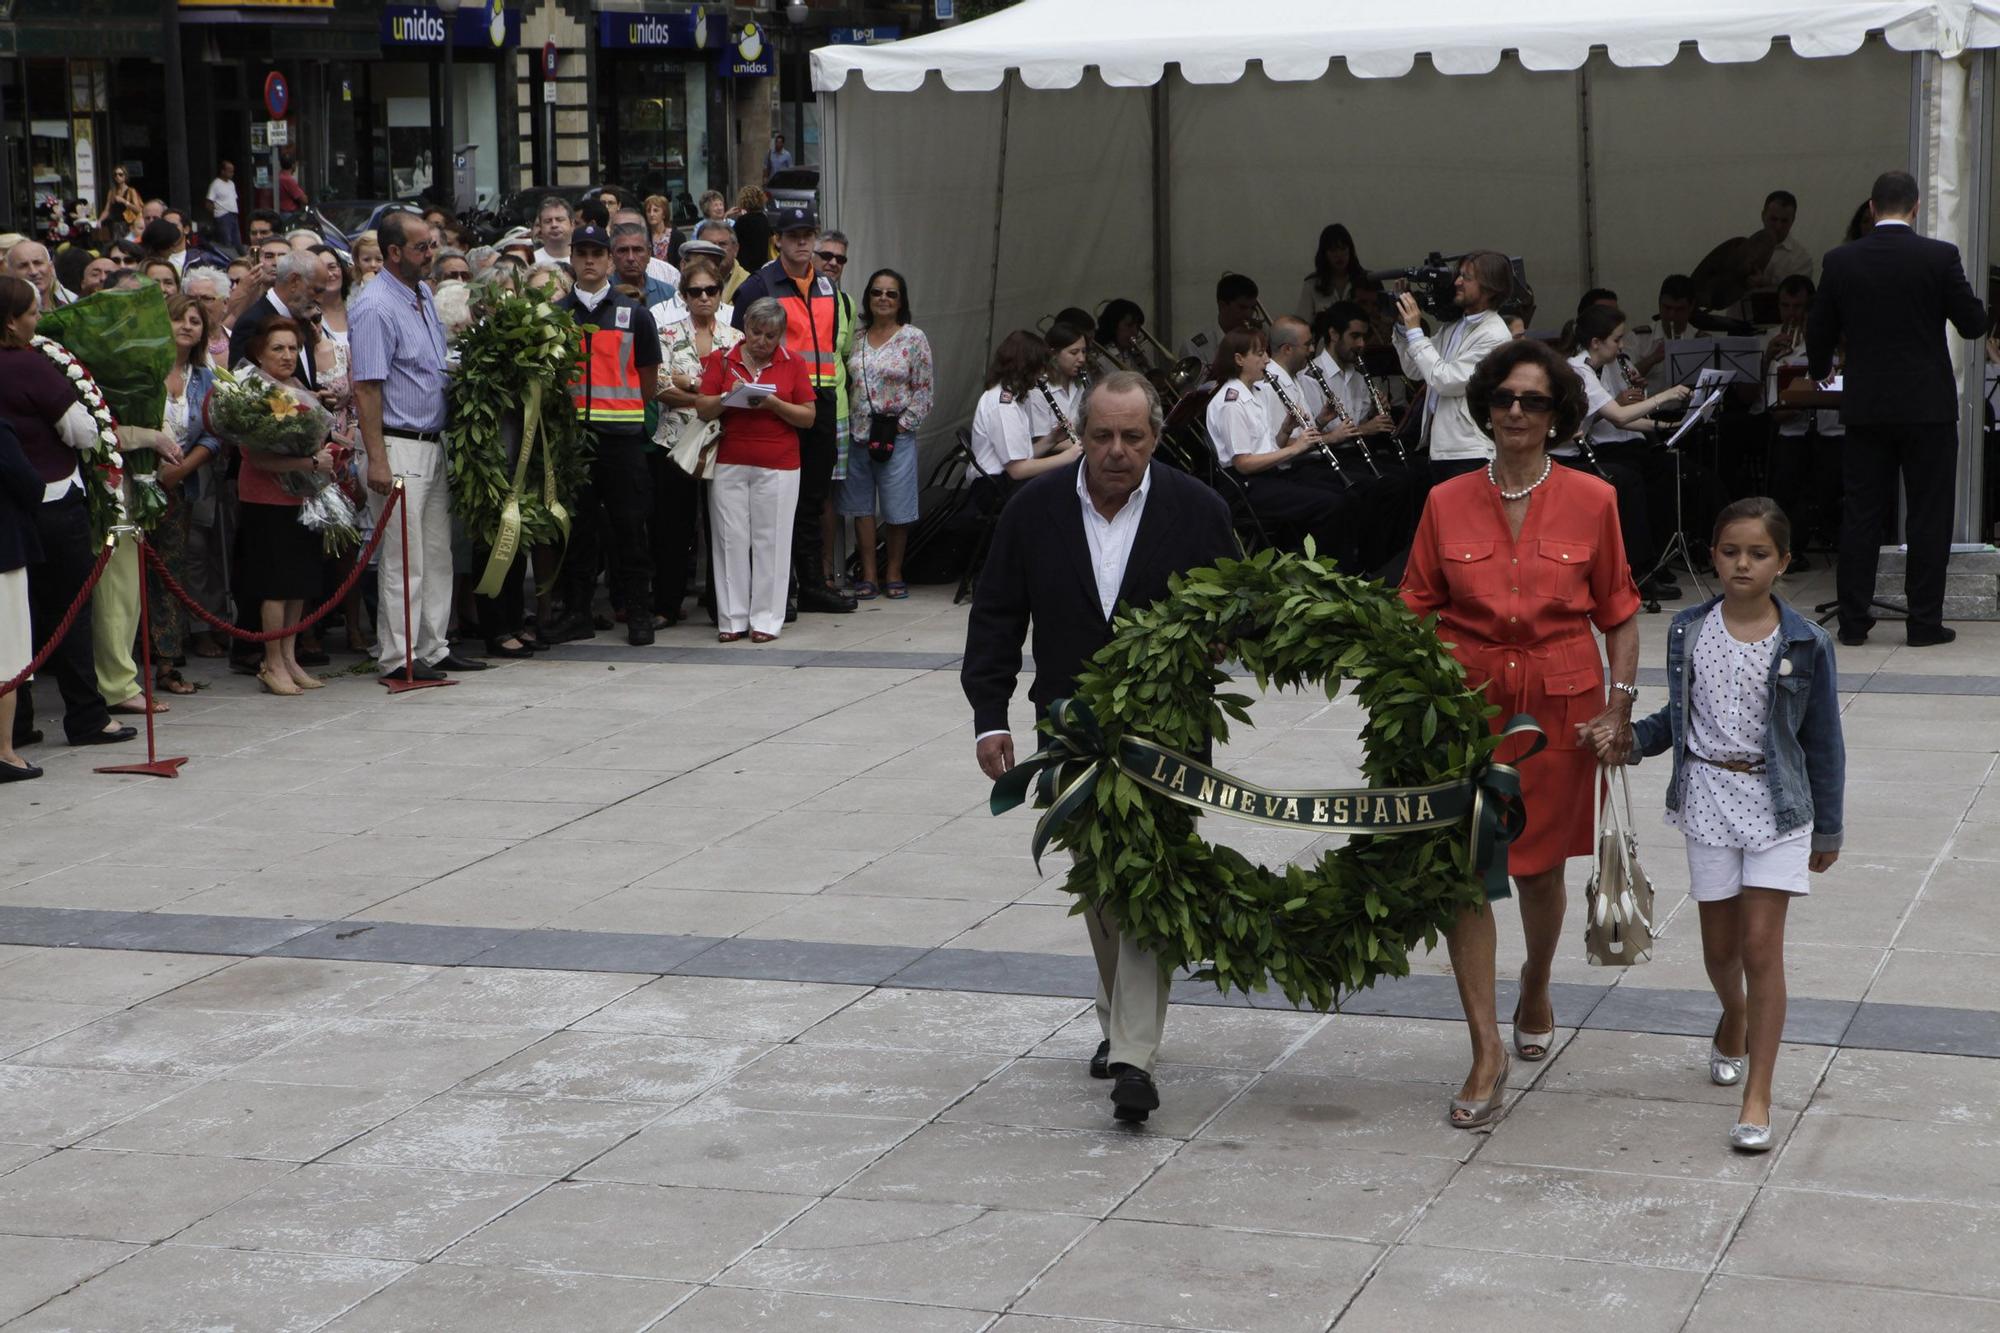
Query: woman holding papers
764	398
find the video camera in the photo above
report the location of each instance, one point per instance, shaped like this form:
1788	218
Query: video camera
1431	283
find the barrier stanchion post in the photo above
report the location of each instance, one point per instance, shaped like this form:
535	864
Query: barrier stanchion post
400	498
154	767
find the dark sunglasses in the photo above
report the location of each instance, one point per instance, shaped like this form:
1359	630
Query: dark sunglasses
701	291
829	257
1535	404
889	292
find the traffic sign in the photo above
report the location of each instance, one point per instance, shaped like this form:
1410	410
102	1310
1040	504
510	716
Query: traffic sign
277	94
548	60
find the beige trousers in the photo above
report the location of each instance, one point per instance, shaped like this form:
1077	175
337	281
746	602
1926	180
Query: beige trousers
114	623
1131	993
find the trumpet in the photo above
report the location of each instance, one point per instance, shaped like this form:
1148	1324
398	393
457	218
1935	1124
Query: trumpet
1340	410
1293	410
1055	408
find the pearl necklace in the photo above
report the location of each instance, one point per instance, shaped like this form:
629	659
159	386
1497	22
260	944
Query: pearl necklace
1548	466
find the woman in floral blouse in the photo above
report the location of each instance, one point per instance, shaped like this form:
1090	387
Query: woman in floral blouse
890	371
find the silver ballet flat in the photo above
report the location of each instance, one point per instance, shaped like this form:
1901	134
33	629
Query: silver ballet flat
1725	1070
1750	1138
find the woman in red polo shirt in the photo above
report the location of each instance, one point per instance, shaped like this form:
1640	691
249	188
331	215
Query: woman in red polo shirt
756	487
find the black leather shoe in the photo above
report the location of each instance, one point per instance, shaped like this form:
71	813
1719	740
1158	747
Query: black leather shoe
32	736
22	773
1853	638
453	662
421	672
494	648
1930	638
571	630
639	635
1133	1096
111	737
819	597
1100	1063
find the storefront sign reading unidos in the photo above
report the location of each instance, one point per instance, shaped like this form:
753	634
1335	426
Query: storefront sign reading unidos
483	25
688	31
749	56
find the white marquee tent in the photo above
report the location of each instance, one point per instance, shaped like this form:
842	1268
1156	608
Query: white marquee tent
1065	151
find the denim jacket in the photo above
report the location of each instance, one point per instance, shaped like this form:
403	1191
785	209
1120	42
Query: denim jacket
1804	756
201	381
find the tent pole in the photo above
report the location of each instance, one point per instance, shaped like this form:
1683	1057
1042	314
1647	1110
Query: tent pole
1163	211
1586	184
1968	525
999	210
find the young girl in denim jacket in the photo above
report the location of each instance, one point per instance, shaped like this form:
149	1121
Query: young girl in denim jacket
1759	766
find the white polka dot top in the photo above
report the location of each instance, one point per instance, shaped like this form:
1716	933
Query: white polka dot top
1729	710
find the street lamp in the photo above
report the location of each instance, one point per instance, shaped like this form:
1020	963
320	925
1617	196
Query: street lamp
449	9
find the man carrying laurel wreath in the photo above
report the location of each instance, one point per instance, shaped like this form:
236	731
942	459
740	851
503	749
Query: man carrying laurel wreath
1070	547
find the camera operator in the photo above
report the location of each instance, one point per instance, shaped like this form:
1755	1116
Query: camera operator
1445	363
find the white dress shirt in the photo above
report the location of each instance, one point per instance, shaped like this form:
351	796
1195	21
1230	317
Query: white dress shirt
1347	385
1239	423
1111	538
1445	364
1001	433
1282	421
1041	420
1611	380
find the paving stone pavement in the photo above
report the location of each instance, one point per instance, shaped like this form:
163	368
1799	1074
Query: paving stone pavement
692	988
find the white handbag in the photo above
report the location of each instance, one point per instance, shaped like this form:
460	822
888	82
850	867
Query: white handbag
1618	901
693	450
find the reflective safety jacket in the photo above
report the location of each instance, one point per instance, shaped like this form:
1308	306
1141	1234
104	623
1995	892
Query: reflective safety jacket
812	319
619	337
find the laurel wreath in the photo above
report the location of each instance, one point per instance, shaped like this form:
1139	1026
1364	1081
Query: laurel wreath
515	345
104	468
1317	933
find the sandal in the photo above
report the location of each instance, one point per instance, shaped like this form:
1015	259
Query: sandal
759	636
896	590
864	591
136	705
173	682
1531	1046
278	684
729	636
1485	1111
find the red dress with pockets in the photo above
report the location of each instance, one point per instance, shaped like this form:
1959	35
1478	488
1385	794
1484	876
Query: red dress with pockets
1518	613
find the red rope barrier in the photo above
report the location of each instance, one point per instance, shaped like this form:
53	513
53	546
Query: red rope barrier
68	623
180	594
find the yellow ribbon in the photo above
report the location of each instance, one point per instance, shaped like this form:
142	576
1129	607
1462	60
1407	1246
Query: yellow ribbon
507	538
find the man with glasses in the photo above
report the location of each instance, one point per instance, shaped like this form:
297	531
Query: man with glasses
450	266
399	376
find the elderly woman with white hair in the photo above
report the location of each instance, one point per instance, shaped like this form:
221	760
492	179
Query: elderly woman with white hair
210	286
764	397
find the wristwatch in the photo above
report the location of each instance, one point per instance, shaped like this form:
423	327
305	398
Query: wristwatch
1631	691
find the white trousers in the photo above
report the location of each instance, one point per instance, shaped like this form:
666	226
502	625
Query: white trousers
427	497
1131	993
750	512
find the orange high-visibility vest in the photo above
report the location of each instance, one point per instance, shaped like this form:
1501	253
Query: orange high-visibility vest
606	388
812	325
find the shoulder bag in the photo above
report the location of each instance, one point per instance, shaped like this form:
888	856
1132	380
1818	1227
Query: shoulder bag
1618	901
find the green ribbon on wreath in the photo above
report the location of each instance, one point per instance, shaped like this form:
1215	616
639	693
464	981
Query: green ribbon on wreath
507	537
1062	776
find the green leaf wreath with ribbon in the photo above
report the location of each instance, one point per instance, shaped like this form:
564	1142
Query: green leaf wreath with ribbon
515	455
1120	779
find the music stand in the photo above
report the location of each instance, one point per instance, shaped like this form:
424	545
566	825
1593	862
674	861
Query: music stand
1708	386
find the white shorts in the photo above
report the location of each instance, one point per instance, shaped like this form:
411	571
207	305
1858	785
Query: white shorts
1717	874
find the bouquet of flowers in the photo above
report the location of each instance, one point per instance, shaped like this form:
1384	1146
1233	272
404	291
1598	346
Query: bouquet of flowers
259	415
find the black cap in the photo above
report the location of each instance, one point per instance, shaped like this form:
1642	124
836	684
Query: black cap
794	217
591	237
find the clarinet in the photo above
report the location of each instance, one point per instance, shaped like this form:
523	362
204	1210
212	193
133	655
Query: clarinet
1305	422
1055	407
1381	401
1340	410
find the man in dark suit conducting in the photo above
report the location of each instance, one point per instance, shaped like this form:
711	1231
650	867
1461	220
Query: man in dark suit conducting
1071	546
1887	296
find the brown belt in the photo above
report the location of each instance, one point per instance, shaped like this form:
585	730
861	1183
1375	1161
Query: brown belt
1730	765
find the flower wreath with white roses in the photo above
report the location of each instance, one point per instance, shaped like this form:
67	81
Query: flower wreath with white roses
102	465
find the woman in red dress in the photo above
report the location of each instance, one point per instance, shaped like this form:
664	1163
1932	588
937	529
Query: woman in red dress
1519	561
